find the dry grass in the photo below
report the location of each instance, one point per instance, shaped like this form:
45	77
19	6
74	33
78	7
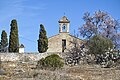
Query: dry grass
27	71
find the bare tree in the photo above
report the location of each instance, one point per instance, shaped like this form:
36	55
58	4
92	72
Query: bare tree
76	53
101	23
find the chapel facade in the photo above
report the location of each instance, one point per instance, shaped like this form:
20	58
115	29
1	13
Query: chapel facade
62	41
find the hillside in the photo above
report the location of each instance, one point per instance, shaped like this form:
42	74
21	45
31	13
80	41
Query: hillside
27	71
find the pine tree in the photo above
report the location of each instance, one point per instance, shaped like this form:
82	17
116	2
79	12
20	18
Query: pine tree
4	42
43	40
13	38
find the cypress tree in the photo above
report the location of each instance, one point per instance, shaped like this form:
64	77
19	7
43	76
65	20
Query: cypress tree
13	38
4	42
43	40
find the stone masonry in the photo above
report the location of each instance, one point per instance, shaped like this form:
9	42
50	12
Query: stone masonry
62	41
55	42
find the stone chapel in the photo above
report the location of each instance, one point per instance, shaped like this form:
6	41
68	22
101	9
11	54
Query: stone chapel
62	41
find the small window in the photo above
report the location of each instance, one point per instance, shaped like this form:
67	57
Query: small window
64	28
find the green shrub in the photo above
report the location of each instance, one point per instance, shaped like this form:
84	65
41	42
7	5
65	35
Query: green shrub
98	45
50	62
40	63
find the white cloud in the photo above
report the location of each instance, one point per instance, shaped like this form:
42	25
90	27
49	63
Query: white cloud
14	8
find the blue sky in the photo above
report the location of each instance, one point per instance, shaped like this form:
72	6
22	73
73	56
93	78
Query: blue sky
31	13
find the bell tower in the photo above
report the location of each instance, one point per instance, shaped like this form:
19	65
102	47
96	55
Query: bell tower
64	25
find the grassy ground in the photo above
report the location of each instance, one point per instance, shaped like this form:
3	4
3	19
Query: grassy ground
27	71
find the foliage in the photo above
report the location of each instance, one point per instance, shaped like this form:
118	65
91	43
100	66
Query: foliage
13	38
102	34
52	61
101	23
43	40
76	53
92	51
4	42
99	45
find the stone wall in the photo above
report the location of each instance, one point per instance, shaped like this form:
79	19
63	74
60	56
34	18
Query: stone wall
24	56
55	42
